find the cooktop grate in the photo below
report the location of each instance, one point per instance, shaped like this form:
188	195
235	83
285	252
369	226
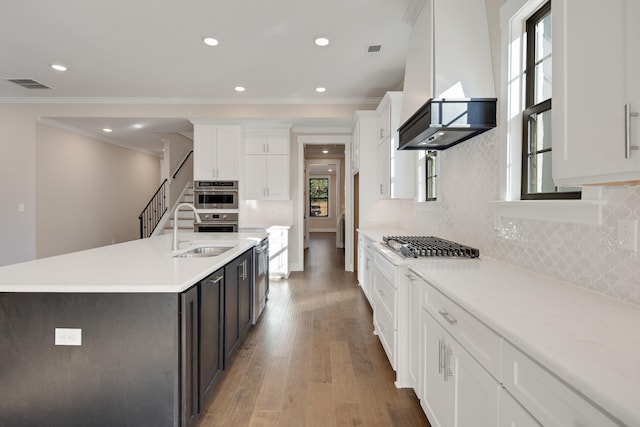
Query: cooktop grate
429	246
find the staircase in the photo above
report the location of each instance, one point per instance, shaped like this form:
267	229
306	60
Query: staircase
185	216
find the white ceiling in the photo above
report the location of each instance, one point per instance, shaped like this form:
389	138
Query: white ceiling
119	51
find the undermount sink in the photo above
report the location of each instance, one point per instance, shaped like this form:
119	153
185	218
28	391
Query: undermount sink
203	251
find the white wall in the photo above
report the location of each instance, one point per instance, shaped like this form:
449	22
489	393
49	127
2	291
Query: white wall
18	151
89	193
586	255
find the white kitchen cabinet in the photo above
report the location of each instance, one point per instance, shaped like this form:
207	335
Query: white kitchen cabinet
364	125
385	297
512	414
216	152
396	169
545	397
411	294
458	390
365	266
589	137
267	165
266	141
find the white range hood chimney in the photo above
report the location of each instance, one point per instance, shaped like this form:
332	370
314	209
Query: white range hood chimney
449	53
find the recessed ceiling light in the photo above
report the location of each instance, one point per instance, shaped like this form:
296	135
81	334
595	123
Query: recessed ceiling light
239	88
321	89
58	67
321	41
325	151
210	41
330	170
107	130
138	126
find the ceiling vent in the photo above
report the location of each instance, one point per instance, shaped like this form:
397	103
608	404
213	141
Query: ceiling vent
28	83
373	49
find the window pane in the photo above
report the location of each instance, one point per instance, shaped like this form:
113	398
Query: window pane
543	60
540	131
540	180
319	197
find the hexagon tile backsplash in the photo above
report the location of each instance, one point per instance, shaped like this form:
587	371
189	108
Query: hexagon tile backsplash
586	255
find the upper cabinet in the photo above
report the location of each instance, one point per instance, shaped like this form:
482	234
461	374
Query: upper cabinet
216	152
596	75
396	169
266	164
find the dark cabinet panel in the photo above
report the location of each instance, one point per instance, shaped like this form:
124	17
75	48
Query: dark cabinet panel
189	349
125	373
211	337
237	303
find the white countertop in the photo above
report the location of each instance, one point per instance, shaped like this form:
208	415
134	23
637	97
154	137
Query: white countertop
145	265
590	340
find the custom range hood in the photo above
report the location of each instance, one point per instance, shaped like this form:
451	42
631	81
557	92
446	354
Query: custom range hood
442	123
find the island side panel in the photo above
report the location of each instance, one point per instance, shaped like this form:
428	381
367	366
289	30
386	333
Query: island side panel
125	373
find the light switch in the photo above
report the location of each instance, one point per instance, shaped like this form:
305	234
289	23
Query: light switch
21	207
68	336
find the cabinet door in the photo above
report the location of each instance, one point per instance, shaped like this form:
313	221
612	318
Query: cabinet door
255	173
190	405
255	142
231	300
414	308
384	168
277	177
211	321
589	129
438	392
245	272
514	415
384	120
228	152
277	141
475	391
204	153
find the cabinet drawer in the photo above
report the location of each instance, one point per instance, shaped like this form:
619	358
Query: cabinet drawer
480	341
386	268
385	295
547	398
386	333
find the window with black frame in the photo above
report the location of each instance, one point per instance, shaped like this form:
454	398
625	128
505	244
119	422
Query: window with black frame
537	180
319	197
431	176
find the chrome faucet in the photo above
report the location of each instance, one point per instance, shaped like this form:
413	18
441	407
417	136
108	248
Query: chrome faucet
174	245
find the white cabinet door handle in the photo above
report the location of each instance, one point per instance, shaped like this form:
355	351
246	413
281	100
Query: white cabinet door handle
449	318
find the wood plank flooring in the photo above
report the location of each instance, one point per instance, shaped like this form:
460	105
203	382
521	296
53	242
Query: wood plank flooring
312	359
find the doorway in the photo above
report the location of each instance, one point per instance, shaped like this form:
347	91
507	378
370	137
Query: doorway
316	155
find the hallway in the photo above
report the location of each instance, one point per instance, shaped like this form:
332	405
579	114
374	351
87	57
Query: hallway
312	359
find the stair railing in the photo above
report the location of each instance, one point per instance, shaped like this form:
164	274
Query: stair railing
153	212
182	164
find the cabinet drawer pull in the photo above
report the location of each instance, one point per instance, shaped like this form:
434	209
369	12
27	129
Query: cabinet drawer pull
440	348
449	318
627	131
217	279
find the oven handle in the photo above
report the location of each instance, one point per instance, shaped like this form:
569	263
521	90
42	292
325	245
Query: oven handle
211	190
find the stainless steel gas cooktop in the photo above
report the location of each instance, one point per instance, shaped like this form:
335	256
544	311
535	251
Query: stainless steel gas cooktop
429	246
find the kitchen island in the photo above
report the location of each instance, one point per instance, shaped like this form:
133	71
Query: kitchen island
112	335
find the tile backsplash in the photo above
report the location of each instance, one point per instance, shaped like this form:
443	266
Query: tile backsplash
586	255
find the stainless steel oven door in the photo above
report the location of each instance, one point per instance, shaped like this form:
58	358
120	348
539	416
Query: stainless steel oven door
216	227
217	222
215	194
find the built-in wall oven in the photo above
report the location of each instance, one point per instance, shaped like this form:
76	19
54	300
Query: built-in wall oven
214	222
215	194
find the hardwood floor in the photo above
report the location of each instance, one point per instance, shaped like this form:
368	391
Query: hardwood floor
312	359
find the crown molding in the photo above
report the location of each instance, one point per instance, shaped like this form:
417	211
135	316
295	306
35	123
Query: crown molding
190	101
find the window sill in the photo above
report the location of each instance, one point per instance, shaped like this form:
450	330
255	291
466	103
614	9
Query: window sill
571	211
